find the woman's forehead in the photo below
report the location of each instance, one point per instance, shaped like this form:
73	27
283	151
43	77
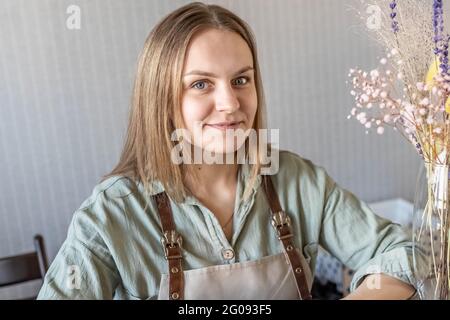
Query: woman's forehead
215	50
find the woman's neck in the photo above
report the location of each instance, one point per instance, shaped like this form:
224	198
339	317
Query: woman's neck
212	178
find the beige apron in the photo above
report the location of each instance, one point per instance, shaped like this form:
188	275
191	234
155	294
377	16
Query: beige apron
269	278
282	276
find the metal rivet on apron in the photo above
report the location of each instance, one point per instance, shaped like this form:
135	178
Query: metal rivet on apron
289	248
175	295
298	270
174	270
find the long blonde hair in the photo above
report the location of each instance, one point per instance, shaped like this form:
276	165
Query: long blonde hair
156	99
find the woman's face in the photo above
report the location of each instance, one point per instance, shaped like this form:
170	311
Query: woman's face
219	94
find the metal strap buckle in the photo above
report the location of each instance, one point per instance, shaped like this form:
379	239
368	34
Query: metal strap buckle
279	220
171	239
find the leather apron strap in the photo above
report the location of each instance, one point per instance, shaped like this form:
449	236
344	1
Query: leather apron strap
282	225
171	242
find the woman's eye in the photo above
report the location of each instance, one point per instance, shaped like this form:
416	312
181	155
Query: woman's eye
202	84
241	81
199	85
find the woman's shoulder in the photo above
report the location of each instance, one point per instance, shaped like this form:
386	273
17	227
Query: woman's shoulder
117	196
109	208
111	201
294	166
303	185
112	188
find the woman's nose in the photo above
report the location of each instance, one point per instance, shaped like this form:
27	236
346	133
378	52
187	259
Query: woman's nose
227	100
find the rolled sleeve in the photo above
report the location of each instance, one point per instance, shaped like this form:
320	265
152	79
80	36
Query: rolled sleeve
363	241
83	268
395	263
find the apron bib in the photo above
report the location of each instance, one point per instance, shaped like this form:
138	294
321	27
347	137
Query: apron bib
269	278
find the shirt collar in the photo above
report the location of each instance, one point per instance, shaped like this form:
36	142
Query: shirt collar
244	175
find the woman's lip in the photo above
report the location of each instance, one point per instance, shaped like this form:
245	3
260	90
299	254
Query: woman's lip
225	126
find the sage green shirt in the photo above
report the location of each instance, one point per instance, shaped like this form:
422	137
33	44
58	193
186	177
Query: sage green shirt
113	247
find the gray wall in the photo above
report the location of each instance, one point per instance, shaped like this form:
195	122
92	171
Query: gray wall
64	102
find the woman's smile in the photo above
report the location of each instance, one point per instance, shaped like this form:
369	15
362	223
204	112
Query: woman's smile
225	125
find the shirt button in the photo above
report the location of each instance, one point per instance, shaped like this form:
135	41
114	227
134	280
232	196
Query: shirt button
228	254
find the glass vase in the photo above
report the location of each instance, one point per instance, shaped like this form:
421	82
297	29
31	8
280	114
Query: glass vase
430	232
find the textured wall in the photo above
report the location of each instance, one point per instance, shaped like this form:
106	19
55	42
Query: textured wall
64	102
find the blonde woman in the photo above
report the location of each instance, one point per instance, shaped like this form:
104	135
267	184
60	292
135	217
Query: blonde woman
160	228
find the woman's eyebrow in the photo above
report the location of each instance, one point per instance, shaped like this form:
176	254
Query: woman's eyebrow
212	75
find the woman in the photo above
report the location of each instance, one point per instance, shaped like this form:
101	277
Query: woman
164	225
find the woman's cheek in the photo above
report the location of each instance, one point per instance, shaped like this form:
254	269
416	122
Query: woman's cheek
194	114
190	112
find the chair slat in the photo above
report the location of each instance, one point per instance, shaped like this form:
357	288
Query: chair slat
19	269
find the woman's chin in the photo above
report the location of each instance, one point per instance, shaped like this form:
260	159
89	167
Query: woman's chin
219	151
224	153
